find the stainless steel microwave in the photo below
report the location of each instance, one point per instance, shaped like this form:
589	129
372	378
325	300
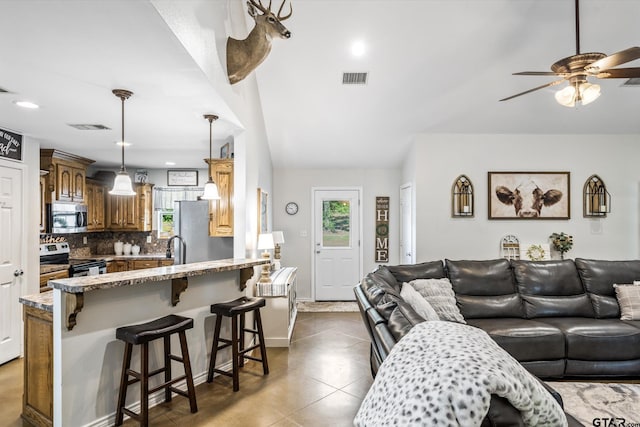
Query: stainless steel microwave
66	218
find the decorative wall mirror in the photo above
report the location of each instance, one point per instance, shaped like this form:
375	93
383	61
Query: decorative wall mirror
462	197
597	200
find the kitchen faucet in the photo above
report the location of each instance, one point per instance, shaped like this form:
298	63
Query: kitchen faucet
183	252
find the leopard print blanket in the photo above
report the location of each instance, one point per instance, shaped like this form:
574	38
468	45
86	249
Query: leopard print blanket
443	374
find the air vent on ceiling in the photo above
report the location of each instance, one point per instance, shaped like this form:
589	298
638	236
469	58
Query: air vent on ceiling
2	90
632	82
89	127
354	78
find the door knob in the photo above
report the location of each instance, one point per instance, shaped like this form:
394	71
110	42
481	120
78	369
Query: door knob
317	252
18	272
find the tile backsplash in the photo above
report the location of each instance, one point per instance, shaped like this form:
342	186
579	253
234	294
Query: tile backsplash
101	243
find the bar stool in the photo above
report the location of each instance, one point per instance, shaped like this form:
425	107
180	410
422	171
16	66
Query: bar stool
144	333
234	309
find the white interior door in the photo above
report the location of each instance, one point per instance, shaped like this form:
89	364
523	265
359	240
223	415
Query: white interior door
337	252
406	225
10	262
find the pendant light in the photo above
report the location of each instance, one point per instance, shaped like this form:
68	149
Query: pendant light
122	184
210	188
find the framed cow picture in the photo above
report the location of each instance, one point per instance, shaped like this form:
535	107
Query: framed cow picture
529	195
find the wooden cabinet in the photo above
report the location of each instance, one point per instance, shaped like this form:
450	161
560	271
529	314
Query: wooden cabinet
117	266
131	212
143	263
66	179
221	211
37	398
95	205
136	264
44	278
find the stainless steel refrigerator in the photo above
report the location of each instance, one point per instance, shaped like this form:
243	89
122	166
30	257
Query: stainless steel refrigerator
191	223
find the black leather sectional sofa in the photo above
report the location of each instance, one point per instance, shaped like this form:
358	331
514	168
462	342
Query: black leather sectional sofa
557	318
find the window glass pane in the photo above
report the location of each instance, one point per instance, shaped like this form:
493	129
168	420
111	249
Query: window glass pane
336	223
165	224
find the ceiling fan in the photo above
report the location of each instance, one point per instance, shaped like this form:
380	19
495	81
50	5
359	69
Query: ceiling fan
576	70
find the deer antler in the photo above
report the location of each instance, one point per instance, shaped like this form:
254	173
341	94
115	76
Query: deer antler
282	18
261	7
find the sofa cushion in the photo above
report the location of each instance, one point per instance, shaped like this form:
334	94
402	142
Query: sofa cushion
628	297
598	339
598	278
551	289
439	294
485	289
526	340
402	319
383	273
418	302
425	270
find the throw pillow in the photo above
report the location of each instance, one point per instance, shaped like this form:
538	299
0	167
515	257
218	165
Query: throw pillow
418	303
629	301
439	294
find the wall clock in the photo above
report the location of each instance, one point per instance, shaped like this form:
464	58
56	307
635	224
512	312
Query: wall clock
291	208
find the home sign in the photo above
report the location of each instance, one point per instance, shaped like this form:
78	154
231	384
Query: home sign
382	229
10	145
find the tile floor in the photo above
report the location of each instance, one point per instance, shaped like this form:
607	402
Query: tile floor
319	380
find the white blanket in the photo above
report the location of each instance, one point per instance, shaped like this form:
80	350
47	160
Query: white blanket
443	373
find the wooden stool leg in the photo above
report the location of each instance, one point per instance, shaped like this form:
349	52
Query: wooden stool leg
234	352
263	347
191	390
167	367
240	354
214	348
124	383
144	386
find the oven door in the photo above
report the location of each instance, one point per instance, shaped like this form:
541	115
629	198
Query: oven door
67	218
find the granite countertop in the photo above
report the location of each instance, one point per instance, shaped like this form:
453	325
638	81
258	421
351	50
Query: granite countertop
42	301
113	257
126	278
50	268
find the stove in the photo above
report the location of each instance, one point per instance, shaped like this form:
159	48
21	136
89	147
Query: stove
58	253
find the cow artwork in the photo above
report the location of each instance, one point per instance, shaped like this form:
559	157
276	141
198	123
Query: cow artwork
518	195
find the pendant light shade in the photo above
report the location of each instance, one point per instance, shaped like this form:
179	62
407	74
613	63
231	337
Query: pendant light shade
210	188
122	184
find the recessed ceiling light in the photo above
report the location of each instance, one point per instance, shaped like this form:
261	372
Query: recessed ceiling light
358	48
26	104
121	143
170	163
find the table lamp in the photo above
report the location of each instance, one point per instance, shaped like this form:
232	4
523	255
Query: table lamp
265	242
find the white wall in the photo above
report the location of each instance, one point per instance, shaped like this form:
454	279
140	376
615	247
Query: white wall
438	159
294	185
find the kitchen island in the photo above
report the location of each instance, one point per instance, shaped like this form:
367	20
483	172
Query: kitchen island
87	357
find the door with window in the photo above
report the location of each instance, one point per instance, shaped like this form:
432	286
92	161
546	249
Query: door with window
337	243
10	262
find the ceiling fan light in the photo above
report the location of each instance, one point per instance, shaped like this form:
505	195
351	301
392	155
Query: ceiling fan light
589	93
122	185
566	96
210	191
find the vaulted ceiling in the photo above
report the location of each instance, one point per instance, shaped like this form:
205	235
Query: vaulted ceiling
435	66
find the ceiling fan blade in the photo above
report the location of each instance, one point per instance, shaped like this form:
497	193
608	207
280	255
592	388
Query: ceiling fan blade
620	73
614	60
557	82
539	73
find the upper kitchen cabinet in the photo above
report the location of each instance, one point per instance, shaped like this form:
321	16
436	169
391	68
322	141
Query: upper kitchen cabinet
66	178
221	211
96	192
132	213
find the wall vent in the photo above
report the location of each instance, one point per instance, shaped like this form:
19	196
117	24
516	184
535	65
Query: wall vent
354	78
89	127
632	82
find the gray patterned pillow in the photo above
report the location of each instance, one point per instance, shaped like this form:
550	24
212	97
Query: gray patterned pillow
418	302
629	301
439	294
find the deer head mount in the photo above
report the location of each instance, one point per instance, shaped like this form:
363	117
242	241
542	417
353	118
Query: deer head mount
243	56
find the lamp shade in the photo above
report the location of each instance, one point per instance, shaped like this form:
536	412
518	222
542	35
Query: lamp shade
265	241
122	185
210	191
278	237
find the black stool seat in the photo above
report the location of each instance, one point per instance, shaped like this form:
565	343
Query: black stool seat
237	306
236	310
142	334
145	332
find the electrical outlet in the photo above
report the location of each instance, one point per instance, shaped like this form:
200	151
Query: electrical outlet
84	240
149	239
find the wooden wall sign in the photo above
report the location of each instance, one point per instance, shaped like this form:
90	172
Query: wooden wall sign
10	145
382	229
